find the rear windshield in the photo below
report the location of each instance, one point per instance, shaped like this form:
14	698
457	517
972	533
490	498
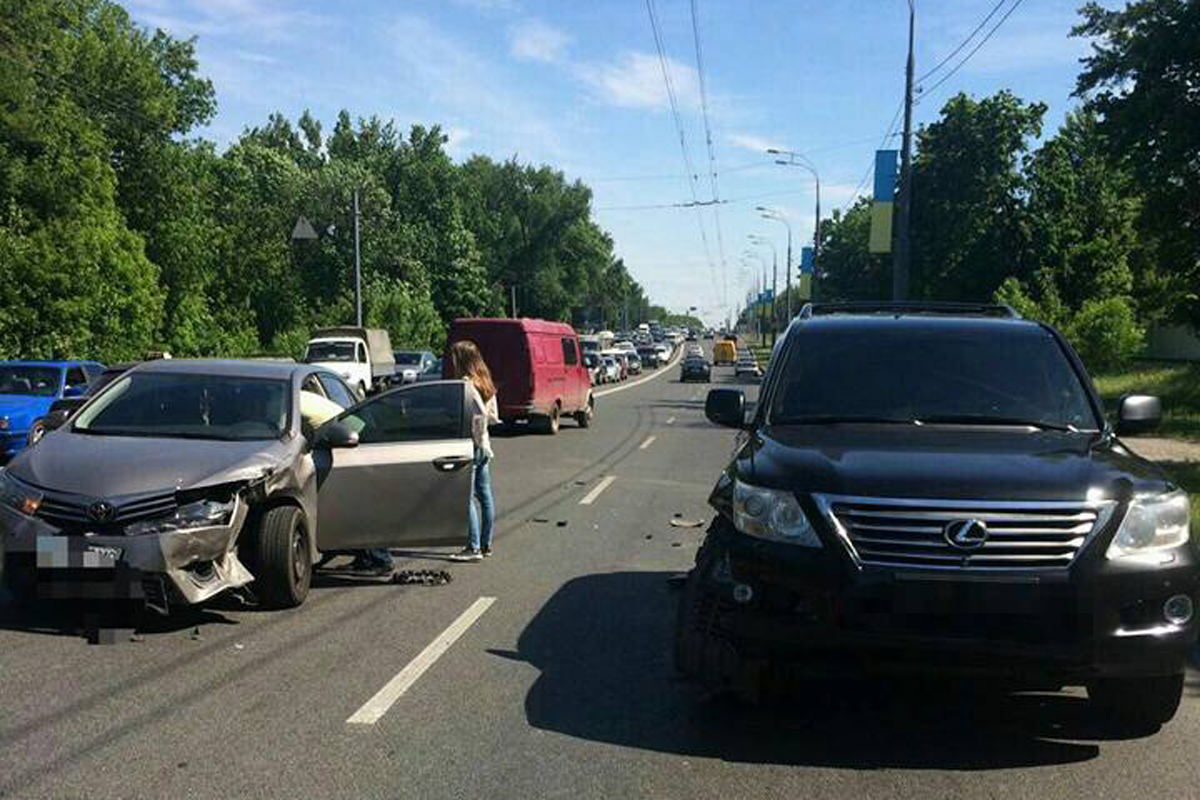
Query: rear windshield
930	375
189	407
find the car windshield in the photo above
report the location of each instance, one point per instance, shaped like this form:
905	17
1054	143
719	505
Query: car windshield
930	375
186	406
407	359
31	381
330	351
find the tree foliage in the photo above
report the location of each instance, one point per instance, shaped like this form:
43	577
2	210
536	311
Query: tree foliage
120	234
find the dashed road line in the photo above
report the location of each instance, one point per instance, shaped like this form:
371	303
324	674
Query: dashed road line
591	496
393	690
649	441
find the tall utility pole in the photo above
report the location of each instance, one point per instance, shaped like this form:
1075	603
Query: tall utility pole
903	254
357	268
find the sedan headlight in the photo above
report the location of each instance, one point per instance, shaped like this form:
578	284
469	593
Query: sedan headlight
201	514
4	423
18	496
1153	523
771	514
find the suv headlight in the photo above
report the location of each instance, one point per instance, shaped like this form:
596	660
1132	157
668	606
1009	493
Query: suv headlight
17	496
201	514
771	514
1152	523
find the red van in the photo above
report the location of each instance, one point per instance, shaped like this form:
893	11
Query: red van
537	367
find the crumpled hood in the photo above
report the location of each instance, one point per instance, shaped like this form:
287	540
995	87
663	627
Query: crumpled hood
22	410
945	462
113	466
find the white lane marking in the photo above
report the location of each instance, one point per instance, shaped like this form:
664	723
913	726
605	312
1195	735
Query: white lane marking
647	443
670	420
661	371
591	496
392	691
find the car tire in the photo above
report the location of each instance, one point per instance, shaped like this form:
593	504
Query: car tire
283	558
552	420
584	418
1142	705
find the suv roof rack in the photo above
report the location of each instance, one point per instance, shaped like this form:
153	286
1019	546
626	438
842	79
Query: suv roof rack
950	309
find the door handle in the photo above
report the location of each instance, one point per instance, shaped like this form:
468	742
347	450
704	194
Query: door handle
451	463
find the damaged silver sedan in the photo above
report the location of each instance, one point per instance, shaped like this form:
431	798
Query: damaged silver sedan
185	479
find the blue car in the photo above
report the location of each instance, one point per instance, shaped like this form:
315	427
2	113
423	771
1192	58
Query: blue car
28	388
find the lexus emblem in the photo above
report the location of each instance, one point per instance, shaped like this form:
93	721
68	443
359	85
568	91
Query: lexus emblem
966	534
101	511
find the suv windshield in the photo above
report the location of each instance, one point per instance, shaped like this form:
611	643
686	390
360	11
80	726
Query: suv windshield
936	375
189	407
330	351
33	381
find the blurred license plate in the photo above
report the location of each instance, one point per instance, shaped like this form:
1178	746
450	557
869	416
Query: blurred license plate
56	552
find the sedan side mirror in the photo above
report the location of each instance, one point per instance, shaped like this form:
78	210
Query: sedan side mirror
1138	413
336	435
726	407
74	391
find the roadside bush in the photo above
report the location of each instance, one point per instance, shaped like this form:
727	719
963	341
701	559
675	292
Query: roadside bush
1106	333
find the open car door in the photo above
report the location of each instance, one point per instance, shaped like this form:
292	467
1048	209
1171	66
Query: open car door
407	482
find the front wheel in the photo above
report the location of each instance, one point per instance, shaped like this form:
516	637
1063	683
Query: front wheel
284	558
1142	704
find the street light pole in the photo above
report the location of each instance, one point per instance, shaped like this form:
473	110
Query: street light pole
795	159
357	268
903	255
762	240
771	214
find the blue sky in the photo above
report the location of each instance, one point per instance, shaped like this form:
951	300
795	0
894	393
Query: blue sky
578	85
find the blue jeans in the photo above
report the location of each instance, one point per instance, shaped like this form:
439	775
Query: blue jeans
378	556
480	532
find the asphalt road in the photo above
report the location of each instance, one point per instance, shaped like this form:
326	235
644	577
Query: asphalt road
561	686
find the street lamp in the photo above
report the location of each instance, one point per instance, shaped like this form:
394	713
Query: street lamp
762	240
772	214
303	231
795	159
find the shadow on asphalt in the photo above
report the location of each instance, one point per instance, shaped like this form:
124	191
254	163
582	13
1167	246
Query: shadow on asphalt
603	643
80	620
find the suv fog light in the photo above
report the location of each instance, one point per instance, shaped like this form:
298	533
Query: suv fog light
743	593
1178	610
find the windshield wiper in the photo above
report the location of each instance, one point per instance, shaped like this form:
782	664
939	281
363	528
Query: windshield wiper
979	419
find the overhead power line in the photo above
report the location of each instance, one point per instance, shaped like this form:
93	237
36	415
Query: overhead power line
708	141
925	92
964	42
689	168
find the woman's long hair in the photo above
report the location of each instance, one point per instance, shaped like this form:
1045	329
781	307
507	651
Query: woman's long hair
468	363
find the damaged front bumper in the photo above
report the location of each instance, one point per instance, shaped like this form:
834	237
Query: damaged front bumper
186	566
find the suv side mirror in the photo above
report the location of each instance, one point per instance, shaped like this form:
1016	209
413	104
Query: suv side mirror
335	435
1138	413
726	407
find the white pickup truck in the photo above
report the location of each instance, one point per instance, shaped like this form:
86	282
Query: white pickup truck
361	356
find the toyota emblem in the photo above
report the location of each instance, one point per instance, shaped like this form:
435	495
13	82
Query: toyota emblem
966	534
101	511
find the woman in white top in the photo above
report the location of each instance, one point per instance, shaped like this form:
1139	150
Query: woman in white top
469	366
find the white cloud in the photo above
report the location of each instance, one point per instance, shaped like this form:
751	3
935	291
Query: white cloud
755	144
534	40
1030	49
256	58
274	20
456	137
635	80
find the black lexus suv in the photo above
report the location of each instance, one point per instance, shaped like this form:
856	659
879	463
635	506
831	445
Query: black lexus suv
935	489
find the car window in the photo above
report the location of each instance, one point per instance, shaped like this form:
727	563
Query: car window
930	374
570	355
311	384
424	413
29	380
76	376
336	390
